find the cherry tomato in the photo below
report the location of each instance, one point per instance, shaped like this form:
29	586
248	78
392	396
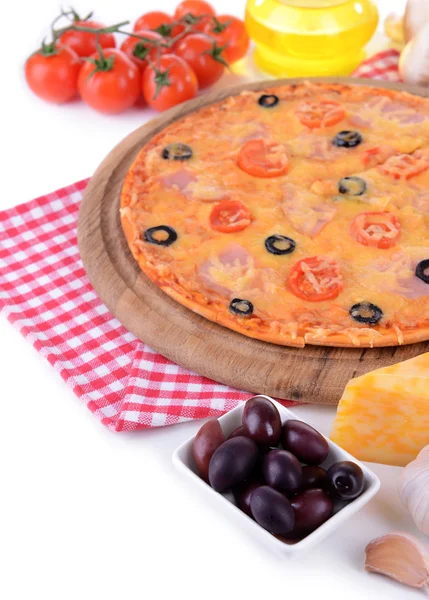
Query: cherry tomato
230	32
196	8
323	113
139	51
404	166
229	216
51	73
263	159
180	83
83	42
110	86
195	13
157	21
203	56
316	279
376	229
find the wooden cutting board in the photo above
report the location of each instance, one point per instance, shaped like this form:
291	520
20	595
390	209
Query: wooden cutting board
312	374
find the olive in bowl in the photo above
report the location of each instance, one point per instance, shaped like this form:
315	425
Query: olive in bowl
312	517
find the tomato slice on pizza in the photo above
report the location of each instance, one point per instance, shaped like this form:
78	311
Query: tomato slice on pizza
263	159
229	216
376	229
316	279
320	114
404	166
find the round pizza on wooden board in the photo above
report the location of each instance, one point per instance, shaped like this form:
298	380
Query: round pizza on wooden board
295	214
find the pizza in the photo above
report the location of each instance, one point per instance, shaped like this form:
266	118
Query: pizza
297	214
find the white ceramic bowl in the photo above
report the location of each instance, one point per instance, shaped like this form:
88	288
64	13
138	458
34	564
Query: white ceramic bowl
184	461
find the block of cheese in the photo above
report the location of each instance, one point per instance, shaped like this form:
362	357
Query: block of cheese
383	416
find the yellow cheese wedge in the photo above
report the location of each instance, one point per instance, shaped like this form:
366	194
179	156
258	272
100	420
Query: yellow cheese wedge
383	416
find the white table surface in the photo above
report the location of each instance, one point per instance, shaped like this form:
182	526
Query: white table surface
86	514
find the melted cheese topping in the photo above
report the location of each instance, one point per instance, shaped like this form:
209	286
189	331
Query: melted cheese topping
212	267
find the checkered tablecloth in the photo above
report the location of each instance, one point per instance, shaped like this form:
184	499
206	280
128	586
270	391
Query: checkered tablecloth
45	294
383	65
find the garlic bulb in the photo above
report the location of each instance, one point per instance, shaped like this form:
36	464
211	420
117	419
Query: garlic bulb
399	556
394	28
414	60
414	490
416	15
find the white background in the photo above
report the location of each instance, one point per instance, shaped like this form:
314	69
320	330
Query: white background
86	514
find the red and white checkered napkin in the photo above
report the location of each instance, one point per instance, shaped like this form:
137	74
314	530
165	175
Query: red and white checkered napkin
45	293
383	65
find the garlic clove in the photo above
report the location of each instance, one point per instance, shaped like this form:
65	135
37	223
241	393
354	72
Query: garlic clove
399	556
416	15
414	60
394	28
414	490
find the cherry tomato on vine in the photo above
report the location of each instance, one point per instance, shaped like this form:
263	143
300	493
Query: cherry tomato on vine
171	83
195	8
230	32
83	42
52	73
157	21
203	56
110	84
139	51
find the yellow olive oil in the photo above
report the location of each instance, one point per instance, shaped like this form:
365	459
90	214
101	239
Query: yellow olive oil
310	37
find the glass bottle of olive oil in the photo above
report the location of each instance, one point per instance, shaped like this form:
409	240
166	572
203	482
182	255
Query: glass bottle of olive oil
310	37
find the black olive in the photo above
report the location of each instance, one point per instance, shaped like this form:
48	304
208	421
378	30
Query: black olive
279	244
268	100
177	151
240	307
421	269
365	312
347	139
161	236
352	186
